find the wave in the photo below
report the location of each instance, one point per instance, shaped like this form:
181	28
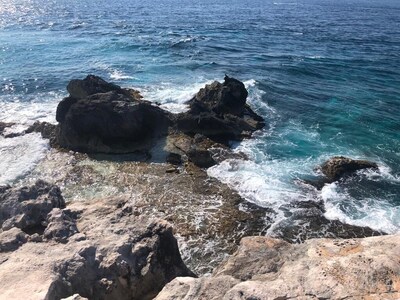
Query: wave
42	107
172	96
375	213
20	155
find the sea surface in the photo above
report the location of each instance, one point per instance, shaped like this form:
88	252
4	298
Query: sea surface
324	74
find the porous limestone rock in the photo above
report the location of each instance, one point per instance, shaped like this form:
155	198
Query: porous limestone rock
115	255
264	269
27	207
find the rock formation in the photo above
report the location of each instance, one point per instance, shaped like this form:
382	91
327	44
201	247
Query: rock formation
219	111
99	250
100	117
265	268
339	166
27	207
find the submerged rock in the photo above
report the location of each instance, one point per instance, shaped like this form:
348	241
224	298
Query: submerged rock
339	166
266	268
4	125
306	220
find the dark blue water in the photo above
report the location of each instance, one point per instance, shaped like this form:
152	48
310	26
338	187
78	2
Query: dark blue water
325	74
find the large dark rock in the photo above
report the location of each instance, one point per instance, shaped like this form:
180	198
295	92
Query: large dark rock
27	207
219	111
339	166
109	122
92	84
222	98
100	117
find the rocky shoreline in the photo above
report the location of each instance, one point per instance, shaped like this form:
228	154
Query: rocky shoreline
135	178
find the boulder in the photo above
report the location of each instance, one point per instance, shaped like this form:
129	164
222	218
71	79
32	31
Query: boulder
219	111
266	268
101	117
61	224
12	239
339	166
110	123
27	207
80	89
228	97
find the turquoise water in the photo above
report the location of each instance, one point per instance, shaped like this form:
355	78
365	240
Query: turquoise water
324	74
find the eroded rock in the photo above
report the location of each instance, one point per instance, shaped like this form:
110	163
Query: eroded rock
219	111
27	207
12	239
116	255
111	122
339	166
265	268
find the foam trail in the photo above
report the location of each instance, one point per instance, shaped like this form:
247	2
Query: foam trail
19	155
370	212
172	97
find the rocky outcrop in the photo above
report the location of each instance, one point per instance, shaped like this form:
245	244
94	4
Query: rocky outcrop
27	207
266	268
219	111
47	130
339	166
102	117
200	150
98	250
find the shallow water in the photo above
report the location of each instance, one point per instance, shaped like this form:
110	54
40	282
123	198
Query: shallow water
324	74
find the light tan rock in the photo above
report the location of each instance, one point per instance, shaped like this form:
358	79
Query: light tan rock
115	255
266	268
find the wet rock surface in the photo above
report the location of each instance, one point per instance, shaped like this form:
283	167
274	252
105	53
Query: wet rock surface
101	117
305	220
4	125
266	268
339	166
47	130
219	111
209	217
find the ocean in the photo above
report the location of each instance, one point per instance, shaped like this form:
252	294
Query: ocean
324	74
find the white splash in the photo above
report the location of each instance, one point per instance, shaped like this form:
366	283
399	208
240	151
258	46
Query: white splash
19	155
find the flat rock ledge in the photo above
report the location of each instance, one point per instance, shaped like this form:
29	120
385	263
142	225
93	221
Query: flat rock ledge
266	268
98	250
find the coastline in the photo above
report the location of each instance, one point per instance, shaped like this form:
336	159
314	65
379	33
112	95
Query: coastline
112	228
